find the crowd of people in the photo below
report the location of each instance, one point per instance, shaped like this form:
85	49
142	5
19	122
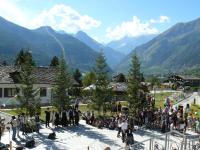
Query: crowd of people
162	119
25	124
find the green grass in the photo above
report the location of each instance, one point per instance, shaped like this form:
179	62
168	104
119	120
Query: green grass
160	98
195	108
16	112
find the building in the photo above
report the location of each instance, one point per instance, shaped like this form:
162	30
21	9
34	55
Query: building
10	85
181	80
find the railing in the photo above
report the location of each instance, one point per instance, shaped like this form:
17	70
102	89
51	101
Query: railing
172	140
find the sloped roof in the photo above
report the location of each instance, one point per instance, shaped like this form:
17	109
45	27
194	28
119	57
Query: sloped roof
42	75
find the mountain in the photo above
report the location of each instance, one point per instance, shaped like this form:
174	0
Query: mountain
44	43
112	57
176	49
127	44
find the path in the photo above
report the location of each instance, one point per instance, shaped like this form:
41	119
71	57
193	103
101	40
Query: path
190	100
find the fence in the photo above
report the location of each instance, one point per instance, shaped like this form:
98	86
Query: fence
172	140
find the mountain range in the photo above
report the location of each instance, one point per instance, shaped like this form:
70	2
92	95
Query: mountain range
44	46
127	44
112	57
176	49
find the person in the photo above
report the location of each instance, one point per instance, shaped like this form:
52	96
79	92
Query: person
18	125
23	123
2	126
56	119
64	118
76	117
37	122
124	127
194	101
92	118
70	116
129	135
119	121
119	107
14	127
53	117
47	112
76	103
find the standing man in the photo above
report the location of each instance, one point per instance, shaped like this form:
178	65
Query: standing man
23	123
37	122
47	112
14	127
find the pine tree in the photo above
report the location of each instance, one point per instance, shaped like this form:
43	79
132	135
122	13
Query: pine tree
102	94
54	62
135	77
28	98
77	76
62	85
22	55
89	79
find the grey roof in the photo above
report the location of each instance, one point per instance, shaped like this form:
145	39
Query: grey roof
188	77
5	73
42	75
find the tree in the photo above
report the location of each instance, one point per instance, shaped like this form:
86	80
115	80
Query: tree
21	58
102	94
134	88
54	62
77	76
62	85
28	98
89	79
121	78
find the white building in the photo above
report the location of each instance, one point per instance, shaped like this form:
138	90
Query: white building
9	83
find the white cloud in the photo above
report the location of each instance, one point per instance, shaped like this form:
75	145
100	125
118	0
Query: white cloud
60	17
9	11
162	19
134	28
65	18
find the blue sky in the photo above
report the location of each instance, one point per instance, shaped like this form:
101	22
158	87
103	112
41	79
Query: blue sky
104	20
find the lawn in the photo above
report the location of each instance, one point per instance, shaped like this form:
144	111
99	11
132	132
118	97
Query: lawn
160	98
195	108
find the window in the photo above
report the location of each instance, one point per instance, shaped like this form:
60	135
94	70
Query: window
9	92
0	92
43	92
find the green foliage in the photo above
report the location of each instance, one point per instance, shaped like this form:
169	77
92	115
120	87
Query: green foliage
121	78
89	78
154	81
62	85
28	98
102	95
78	77
135	77
54	62
22	58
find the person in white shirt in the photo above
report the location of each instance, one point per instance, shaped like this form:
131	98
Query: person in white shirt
124	127
14	127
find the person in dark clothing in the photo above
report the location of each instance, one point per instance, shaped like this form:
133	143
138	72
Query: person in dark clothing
71	117
92	118
76	117
56	119
119	107
129	136
47	117
64	118
37	122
